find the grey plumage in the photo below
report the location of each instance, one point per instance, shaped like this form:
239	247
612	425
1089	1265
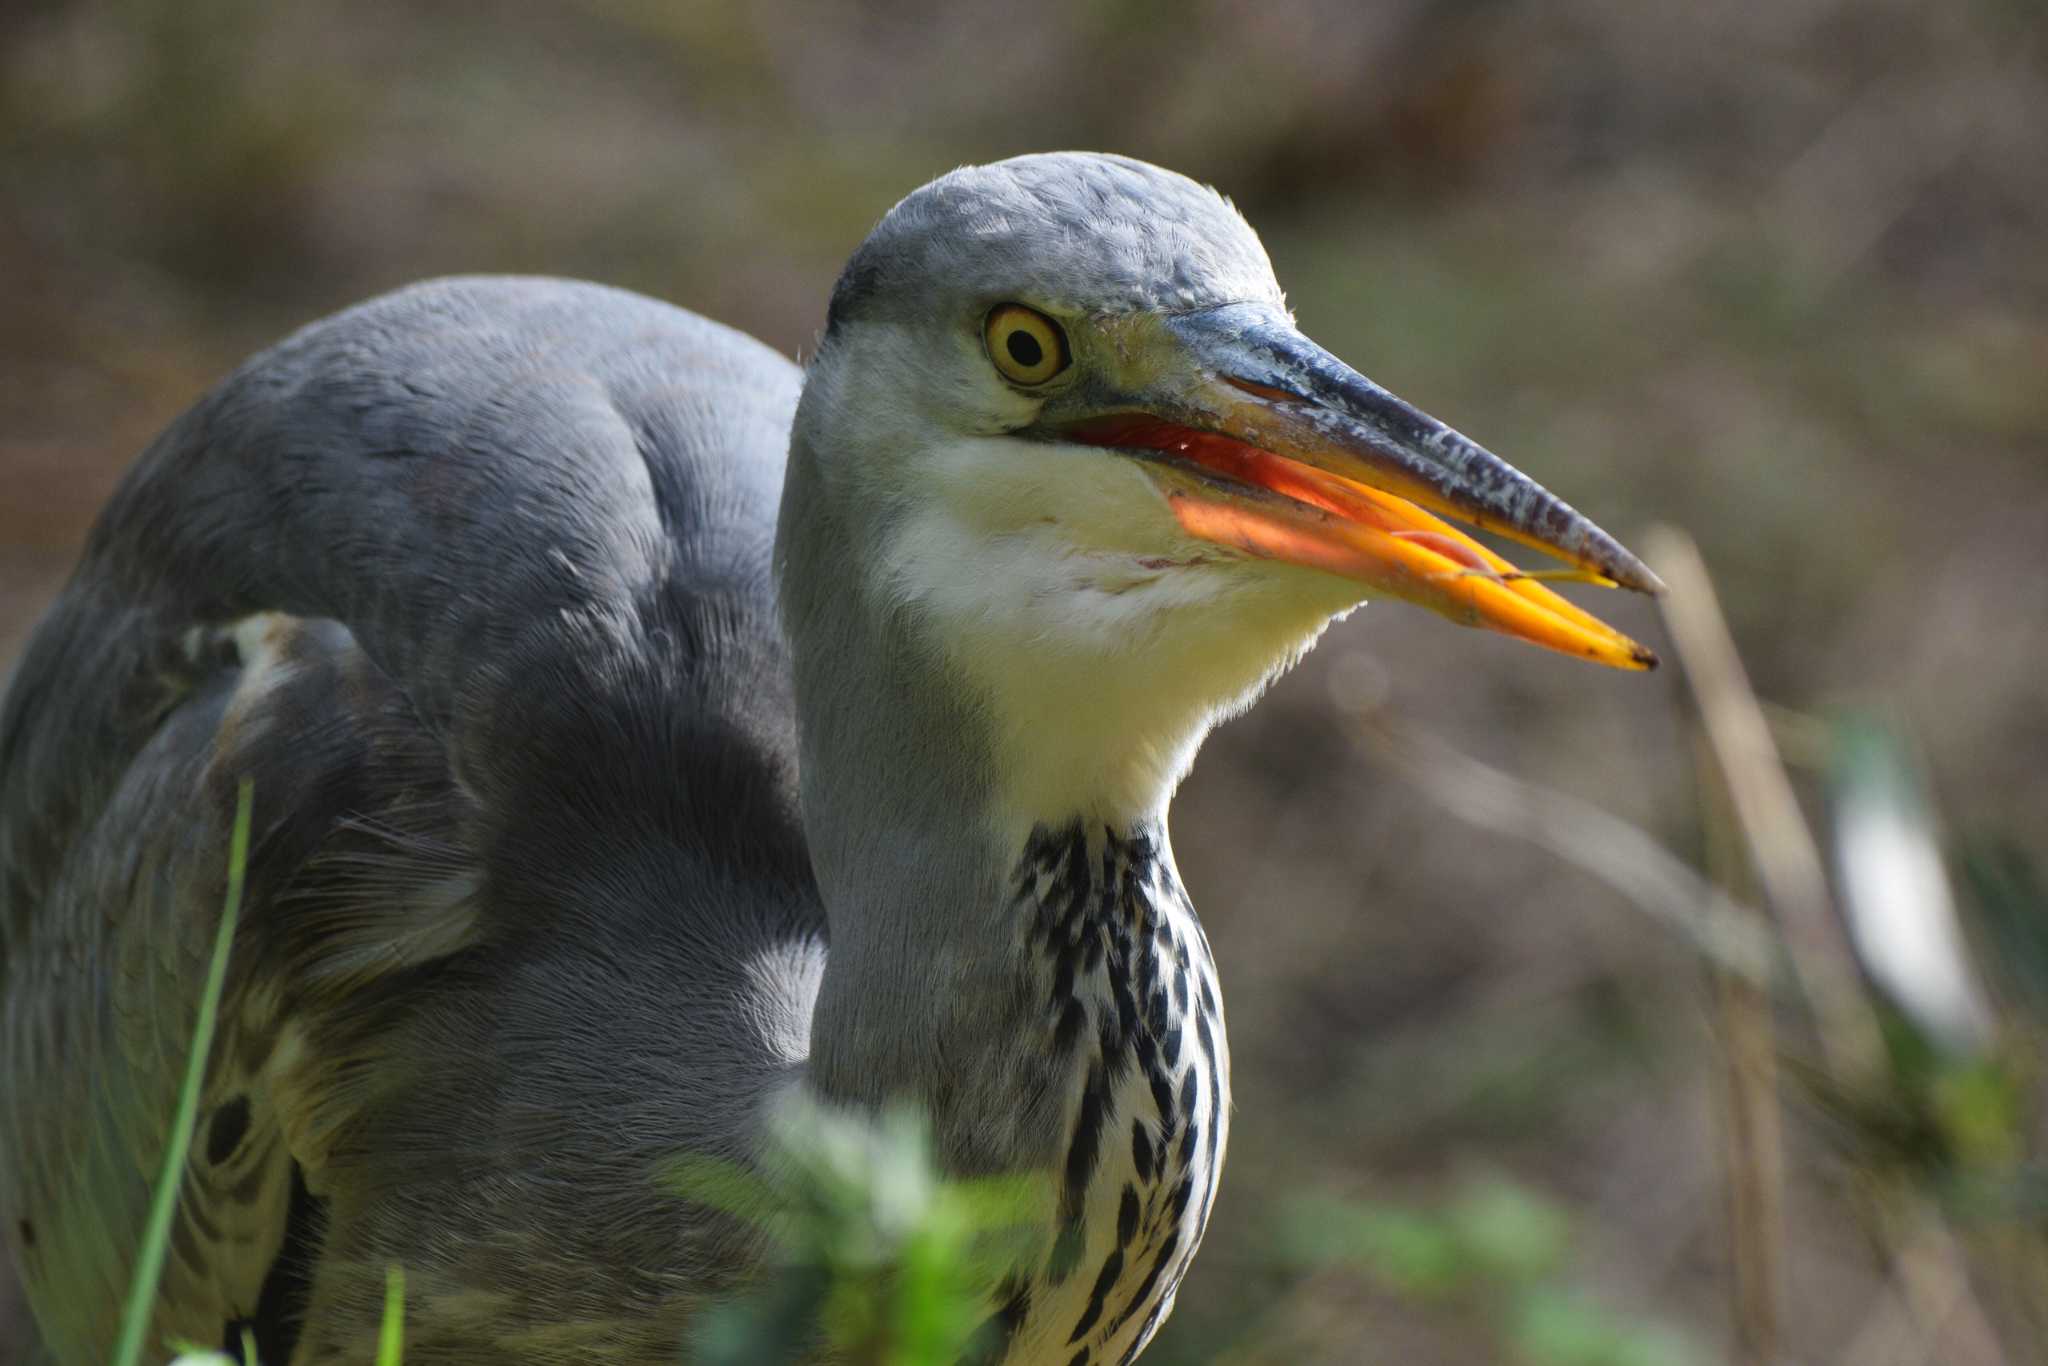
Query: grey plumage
1103	233
526	829
480	582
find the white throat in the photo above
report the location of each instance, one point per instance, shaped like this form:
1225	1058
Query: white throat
1098	662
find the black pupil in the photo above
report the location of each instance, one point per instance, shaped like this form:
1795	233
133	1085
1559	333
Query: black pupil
1024	349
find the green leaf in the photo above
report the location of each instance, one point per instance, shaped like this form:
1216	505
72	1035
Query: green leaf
723	1185
881	1258
1418	1253
1554	1327
1509	1231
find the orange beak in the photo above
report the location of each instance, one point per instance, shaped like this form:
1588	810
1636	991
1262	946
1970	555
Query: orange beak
1283	452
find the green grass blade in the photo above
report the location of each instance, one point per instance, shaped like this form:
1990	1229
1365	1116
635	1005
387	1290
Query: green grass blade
149	1264
391	1336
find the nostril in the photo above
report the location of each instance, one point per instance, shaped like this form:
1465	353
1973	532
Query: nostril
1266	391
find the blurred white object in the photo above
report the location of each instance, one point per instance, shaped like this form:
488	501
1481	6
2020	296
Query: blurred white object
1896	896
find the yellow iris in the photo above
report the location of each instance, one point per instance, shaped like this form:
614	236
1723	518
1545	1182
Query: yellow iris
1026	346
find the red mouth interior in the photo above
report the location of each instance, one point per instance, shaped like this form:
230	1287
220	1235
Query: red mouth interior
1246	464
1373	536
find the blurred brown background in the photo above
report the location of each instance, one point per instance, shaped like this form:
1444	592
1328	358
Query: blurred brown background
1774	271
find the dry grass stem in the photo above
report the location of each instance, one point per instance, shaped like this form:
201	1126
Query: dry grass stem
1781	846
1753	1160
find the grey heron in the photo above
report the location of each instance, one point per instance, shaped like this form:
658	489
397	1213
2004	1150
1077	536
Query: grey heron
644	730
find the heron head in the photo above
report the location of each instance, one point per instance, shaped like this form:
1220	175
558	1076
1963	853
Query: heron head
1061	407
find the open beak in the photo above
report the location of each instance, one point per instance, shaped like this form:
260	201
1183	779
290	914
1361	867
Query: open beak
1267	443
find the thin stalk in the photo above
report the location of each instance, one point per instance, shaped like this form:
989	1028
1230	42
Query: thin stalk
171	1176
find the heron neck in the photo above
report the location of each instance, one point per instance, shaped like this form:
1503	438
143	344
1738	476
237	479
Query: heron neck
935	991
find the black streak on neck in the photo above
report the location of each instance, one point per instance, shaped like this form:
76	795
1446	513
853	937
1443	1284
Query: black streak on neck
1118	942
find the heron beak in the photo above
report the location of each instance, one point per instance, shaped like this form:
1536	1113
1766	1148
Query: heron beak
1267	443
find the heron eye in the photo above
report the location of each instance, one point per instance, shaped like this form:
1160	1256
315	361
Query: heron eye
1026	346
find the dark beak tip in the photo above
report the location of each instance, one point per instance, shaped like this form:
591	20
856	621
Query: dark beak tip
1626	571
1649	582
